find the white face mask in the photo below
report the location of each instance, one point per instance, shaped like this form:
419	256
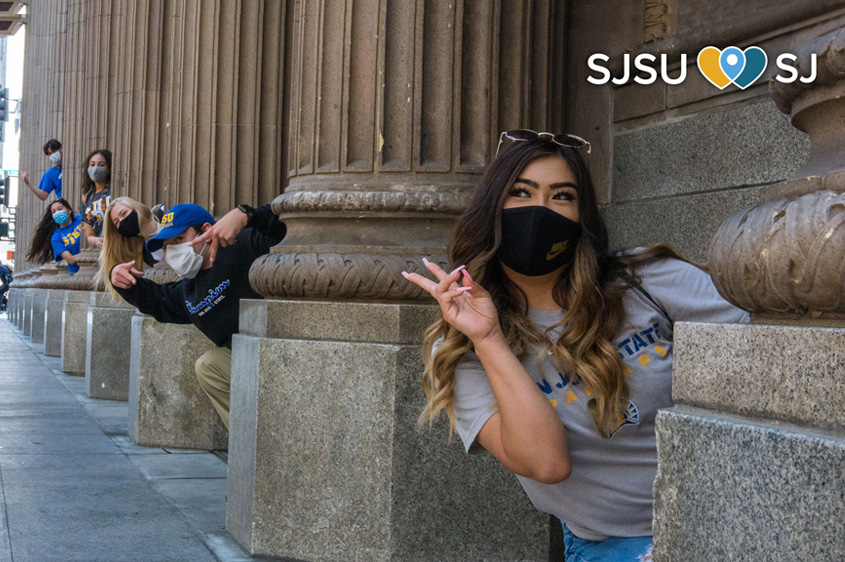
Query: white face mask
183	259
55	157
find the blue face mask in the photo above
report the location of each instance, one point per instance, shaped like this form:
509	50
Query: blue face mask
60	217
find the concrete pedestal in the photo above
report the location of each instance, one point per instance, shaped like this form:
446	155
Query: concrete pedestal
12	306
53	322
751	457
74	332
107	348
26	328
167	407
39	309
19	299
325	459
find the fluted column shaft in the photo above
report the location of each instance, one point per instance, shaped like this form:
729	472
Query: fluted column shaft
395	109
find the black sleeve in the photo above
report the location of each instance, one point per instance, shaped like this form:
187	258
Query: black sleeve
163	302
148	258
267	223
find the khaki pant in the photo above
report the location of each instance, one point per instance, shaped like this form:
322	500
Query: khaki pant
214	371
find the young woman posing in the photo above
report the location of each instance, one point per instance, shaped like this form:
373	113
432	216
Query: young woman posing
127	224
96	194
554	354
57	236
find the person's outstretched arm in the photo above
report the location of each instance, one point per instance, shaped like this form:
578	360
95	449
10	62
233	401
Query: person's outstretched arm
525	434
225	231
38	193
163	302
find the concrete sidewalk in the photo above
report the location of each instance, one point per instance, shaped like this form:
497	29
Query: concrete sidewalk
73	488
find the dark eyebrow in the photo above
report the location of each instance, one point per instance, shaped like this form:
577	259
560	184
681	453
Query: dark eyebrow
536	185
533	184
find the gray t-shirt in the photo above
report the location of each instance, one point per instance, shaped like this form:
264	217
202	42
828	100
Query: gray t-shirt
609	492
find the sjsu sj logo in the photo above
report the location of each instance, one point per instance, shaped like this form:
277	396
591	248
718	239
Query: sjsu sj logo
721	67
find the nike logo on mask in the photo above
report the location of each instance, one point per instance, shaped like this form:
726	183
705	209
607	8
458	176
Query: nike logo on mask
556	250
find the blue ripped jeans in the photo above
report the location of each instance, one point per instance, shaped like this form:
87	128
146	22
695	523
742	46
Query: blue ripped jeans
614	549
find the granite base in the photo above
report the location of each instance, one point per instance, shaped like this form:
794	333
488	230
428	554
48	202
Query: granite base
750	458
26	328
74	332
167	406
39	311
107	348
326	461
53	322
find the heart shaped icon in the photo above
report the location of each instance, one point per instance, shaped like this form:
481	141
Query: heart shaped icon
708	64
721	67
755	64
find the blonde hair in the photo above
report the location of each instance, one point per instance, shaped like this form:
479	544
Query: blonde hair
591	289
119	249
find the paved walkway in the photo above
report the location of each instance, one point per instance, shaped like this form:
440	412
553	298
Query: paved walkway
73	488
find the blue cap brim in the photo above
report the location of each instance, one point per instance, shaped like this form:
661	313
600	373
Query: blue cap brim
155	243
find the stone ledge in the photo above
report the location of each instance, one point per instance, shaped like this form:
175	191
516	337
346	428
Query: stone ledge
341	321
758	370
730	488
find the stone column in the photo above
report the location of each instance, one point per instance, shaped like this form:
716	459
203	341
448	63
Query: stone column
751	456
396	107
223	103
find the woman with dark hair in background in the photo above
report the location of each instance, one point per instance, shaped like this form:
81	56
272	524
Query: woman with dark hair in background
57	236
96	194
554	354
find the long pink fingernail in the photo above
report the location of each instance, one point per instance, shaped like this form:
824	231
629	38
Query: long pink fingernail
457	269
405	274
462	289
426	262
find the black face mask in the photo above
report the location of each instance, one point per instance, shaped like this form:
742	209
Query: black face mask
129	226
537	240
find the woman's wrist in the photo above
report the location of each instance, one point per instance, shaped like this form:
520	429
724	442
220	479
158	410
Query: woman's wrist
493	340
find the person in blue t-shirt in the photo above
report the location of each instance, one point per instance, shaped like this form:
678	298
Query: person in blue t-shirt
58	236
51	181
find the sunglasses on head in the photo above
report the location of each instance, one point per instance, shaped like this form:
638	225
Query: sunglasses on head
520	135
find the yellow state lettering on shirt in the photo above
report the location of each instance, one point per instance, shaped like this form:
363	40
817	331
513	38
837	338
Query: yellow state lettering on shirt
628	370
644	360
570	397
553	402
587	390
660	351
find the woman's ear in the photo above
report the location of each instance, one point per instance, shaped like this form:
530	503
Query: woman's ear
206	226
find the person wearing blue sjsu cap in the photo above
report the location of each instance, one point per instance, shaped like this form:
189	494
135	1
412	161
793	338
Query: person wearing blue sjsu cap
213	282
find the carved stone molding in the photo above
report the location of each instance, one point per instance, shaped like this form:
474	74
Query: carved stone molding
21	280
784	257
419	201
339	276
161	273
659	19
47	278
830	52
818	109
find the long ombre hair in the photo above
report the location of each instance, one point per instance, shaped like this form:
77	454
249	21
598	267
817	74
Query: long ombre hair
590	288
119	249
